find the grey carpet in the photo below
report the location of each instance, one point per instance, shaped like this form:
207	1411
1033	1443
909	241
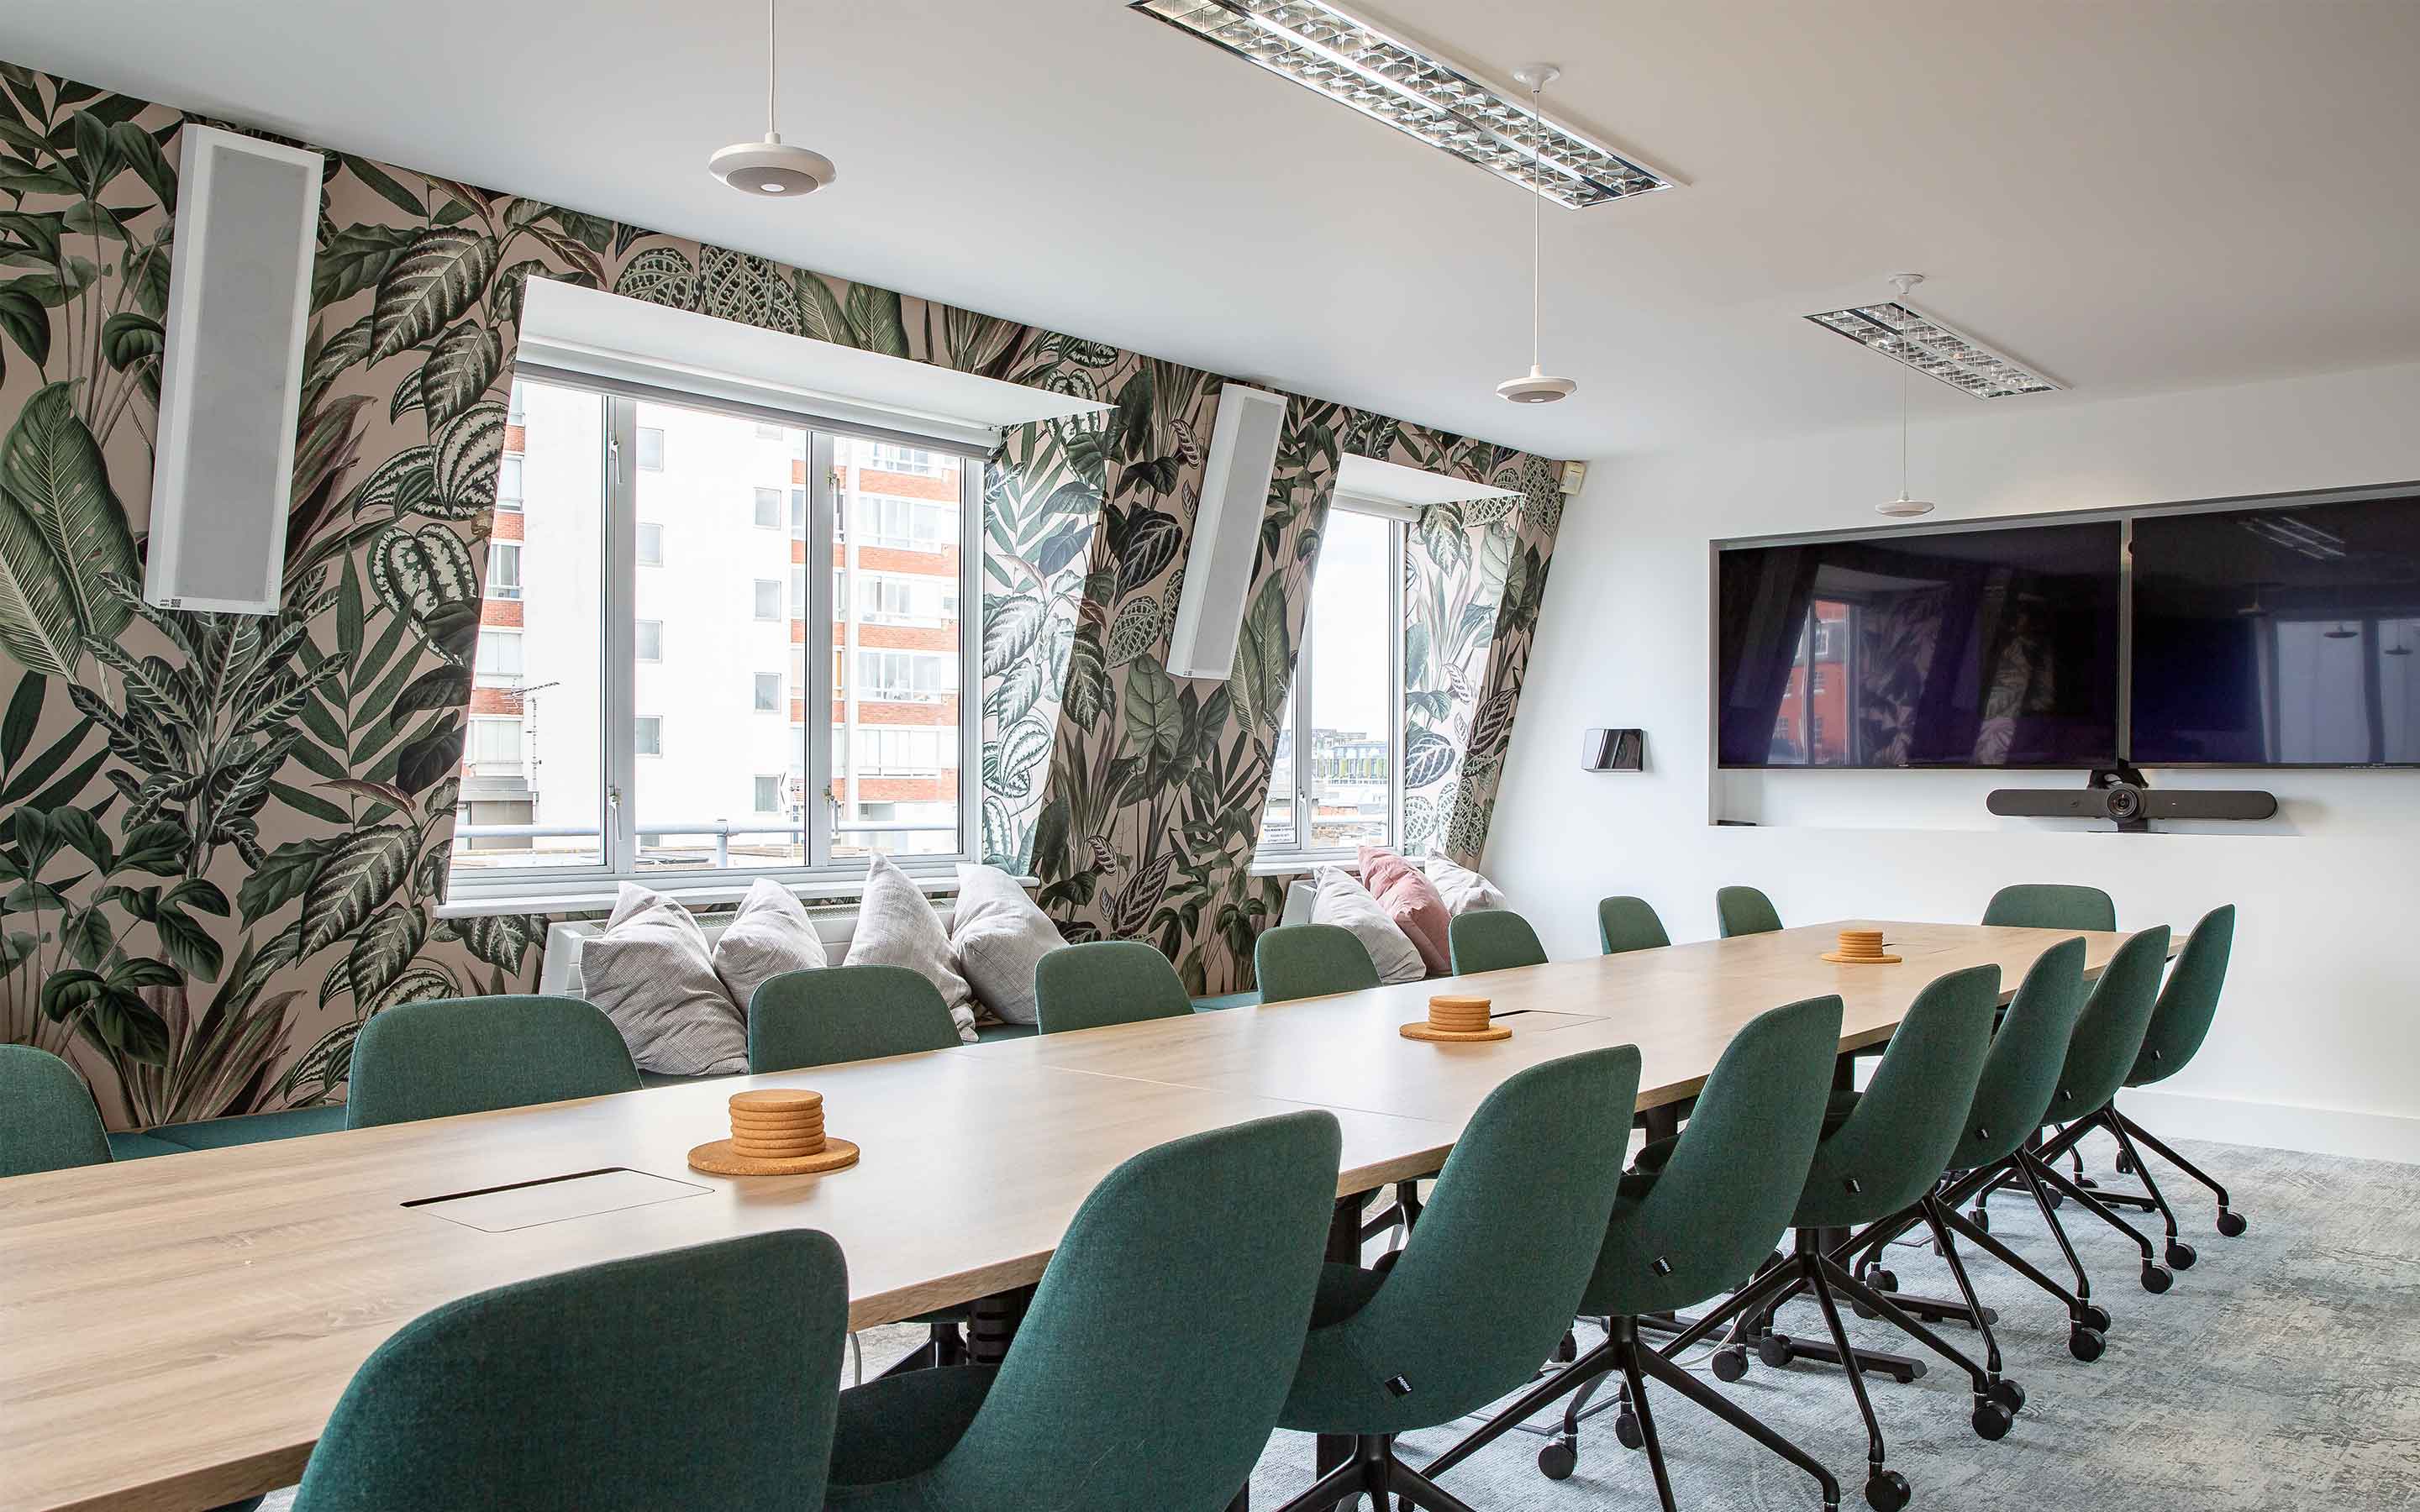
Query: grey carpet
2283	1371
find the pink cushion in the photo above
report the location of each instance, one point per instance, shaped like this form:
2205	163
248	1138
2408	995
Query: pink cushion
1412	901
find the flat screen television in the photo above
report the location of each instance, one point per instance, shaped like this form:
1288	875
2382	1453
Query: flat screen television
2285	634
1991	648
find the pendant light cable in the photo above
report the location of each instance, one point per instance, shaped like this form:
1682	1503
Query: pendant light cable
772	67
1535	387
1537	171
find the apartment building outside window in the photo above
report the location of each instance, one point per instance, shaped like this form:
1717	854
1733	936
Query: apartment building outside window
1334	786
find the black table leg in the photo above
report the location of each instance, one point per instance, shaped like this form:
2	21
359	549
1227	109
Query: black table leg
991	1325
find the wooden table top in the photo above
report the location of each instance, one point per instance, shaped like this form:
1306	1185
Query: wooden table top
174	1332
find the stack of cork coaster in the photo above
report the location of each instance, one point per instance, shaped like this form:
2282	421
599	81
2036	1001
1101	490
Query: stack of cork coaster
1861	947
1453	1019
775	1131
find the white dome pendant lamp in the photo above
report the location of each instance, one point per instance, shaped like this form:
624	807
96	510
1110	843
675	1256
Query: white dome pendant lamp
771	169
1535	387
1903	507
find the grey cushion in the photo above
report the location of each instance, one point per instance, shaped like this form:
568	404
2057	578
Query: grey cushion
1345	902
1000	934
770	933
896	927
652	974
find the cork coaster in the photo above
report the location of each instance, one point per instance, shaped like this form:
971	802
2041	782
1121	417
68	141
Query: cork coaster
792	1100
717	1158
1425	1031
1457	1019
1861	947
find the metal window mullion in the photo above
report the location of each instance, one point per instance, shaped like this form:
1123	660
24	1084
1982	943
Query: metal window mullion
818	684
971	538
621	678
1395	722
1305	773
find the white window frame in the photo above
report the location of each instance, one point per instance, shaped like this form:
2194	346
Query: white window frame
581	885
756	699
495	588
780	609
483	676
645	560
639	653
510	482
780	498
1294	856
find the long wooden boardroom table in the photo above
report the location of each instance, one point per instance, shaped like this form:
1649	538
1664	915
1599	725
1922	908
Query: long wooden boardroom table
174	1332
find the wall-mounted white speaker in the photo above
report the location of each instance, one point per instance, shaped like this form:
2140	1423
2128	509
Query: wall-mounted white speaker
231	372
1226	532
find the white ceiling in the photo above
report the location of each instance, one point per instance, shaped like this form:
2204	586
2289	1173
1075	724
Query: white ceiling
2134	194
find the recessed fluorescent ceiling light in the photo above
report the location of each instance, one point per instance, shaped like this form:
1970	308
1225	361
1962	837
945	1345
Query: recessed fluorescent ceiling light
1349	60
1906	334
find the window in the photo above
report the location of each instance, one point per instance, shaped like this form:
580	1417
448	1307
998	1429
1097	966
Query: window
1334	786
517	412
508	483
909	524
881	456
850	740
503	569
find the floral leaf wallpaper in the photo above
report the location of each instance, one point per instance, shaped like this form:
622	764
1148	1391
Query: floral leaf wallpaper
224	837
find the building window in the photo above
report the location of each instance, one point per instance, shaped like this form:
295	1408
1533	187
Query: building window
906	524
768	431
517	411
882	457
1333	788
503	569
869	749
508	483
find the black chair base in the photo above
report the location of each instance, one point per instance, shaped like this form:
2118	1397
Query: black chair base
1374	1470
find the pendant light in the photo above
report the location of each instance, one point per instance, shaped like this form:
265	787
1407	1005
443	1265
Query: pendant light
1903	507
1536	387
771	169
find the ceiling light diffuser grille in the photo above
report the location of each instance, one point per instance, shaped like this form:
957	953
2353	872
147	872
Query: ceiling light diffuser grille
1906	334
1350	61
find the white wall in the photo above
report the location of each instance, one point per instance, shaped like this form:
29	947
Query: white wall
2317	1039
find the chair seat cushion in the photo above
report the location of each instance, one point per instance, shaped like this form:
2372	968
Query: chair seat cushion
987	1033
893	1429
1344	1290
141	1146
253	1128
1652	1155
1208	1005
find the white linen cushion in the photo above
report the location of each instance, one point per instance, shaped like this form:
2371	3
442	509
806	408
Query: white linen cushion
896	927
652	974
998	936
1345	902
1462	889
769	935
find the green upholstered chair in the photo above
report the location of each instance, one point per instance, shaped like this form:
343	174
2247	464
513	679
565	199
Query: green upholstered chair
471	1055
1106	982
1485	1287
2100	1055
837	1014
47	1120
253	1128
1625	924
1883	1151
1744	911
1492	939
1690	1230
1207	1247
2051	905
1310	960
695	1378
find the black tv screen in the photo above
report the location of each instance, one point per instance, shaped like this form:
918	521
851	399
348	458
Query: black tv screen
1949	648
2280	636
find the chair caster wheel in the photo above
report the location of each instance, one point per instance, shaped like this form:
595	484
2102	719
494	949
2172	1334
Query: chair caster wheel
2181	1255
2009	1395
1886	1490
1557	1460
1883	1278
1626	1431
2096	1318
1980	1218
1731	1363
1992	1421
2125	1166
2232	1223
1568	1349
1772	1349
2085	1344
2157	1278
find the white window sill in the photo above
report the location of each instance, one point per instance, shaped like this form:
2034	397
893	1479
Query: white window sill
1303	863
600	900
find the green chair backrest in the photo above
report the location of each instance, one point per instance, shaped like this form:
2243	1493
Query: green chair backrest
1310	960
1896	1143
47	1120
835	1014
2109	1032
2051	905
1540	1159
2021	1071
2181	1019
1492	939
470	1055
705	1377
1106	982
1735	1175
1624	924
1744	911
1210	1246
